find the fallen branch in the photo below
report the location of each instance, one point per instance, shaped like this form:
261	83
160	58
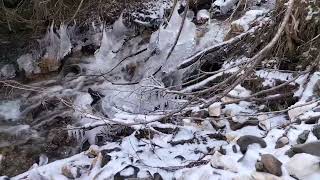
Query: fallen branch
259	56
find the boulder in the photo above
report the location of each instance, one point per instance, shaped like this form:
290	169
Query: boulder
270	164
308	148
302	165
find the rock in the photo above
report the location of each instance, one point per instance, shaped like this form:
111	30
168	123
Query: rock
247	140
105	157
43	160
127	173
316	131
264	176
215	109
244	23
237	125
242	177
217	136
302	138
8	71
95	95
259	166
264	123
295	112
224	162
93	151
234	149
157	176
282	141
200	114
290	153
270	164
222	150
203	16
217	124
308	148
312	120
71	172
302	165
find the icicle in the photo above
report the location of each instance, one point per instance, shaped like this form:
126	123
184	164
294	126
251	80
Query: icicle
65	43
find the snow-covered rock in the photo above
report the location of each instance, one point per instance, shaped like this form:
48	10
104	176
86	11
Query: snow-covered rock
246	21
303	165
224	161
295	112
264	176
203	16
224	6
215	109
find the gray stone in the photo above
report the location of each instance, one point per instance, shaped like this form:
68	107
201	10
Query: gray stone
302	138
282	141
312	148
105	158
316	131
247	140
